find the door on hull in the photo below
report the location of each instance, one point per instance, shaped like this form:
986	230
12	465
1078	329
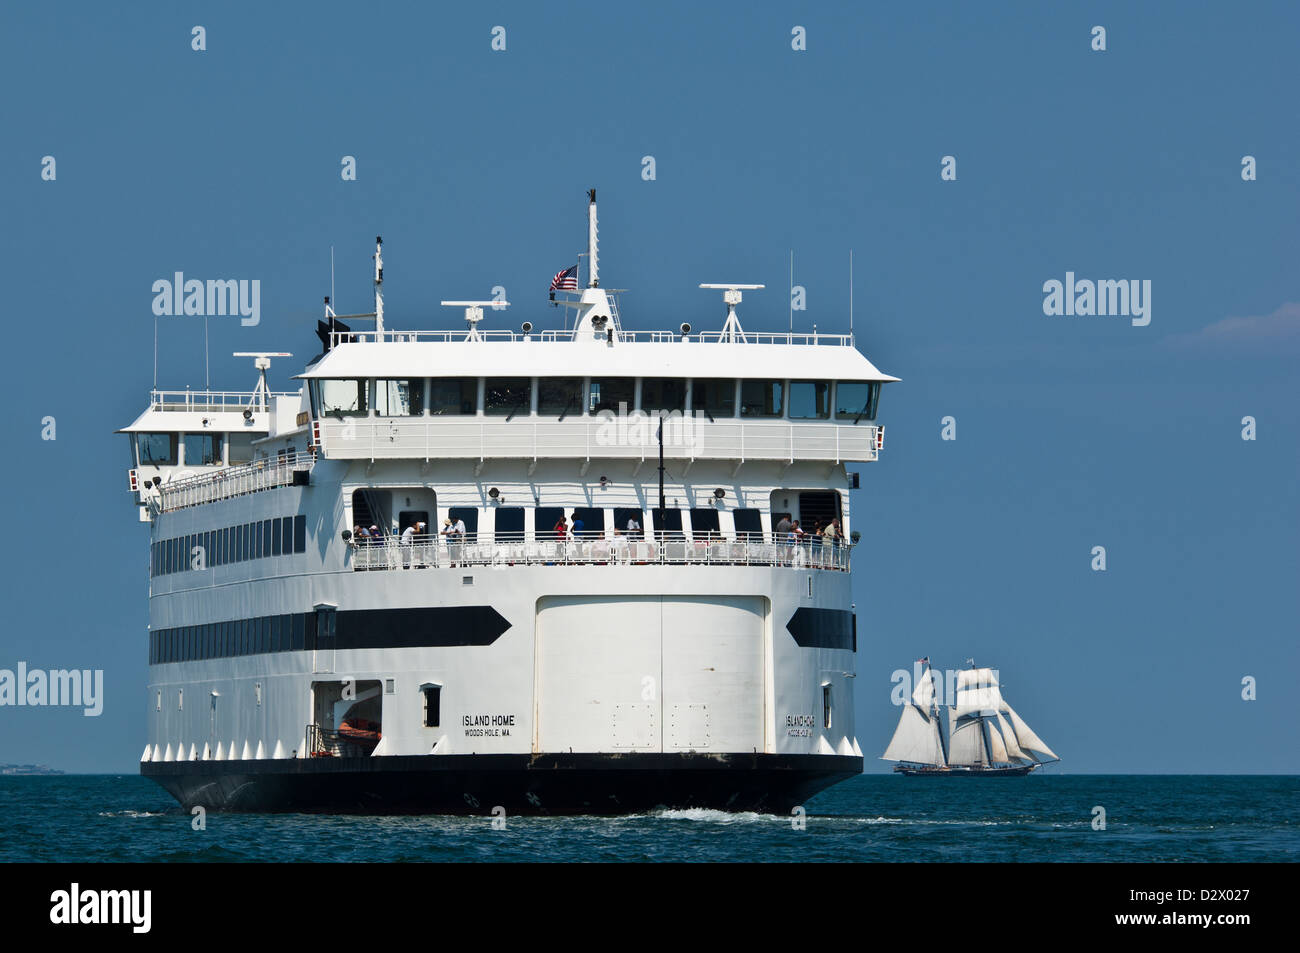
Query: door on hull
650	673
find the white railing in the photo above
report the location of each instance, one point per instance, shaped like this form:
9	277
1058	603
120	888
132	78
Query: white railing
233	481
630	337
209	401
481	549
631	437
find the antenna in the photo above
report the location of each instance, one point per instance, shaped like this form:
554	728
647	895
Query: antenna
379	285
474	314
792	291
593	267
850	292
207	381
331	272
261	361
731	294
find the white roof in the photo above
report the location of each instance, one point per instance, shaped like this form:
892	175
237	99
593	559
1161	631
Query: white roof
698	359
191	421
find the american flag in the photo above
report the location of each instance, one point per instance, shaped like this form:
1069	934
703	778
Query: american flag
566	280
924	661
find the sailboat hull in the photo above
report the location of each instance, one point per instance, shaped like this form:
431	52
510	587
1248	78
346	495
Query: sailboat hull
976	771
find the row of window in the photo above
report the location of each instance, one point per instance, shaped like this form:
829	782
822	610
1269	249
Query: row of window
564	396
268	633
281	536
509	520
200	449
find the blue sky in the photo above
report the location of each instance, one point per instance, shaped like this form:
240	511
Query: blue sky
1072	432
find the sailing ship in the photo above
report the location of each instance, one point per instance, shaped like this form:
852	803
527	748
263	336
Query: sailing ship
980	736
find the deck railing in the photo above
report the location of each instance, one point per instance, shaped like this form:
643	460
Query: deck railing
207	401
234	481
482	549
644	337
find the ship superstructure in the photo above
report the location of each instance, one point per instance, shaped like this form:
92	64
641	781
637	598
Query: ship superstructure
552	571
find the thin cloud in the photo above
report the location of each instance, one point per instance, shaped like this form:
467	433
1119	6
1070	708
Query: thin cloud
1265	334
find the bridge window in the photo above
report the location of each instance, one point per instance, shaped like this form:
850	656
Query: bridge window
510	524
810	400
749	525
240	446
608	393
761	399
343	398
400	398
203	450
714	398
663	393
558	396
453	395
857	400
157	449
507	396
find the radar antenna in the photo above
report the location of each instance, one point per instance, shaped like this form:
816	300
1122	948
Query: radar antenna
261	361
731	294
474	314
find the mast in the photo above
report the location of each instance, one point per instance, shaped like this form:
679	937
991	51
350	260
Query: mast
379	284
662	507
593	266
934	713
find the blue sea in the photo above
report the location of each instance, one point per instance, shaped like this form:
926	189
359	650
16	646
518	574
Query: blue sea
1164	818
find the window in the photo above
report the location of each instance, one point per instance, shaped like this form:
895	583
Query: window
297	632
286	535
276	535
300	533
704	522
266	538
401	398
557	396
622	514
241	446
668	523
453	395
857	400
810	399
343	398
662	393
510	524
547	517
714	398
470	515
593	522
157	449
432	705
507	396
611	393
760	399
826	705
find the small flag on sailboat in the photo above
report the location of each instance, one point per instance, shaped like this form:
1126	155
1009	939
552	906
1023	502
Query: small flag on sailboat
923	661
566	280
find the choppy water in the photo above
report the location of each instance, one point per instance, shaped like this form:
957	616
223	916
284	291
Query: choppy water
870	818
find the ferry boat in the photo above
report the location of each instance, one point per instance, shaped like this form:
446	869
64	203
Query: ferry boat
482	570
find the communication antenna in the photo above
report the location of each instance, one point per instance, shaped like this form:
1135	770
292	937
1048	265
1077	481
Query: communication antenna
850	292
731	294
792	291
474	314
261	361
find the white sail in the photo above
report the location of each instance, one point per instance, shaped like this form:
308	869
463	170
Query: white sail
923	695
1025	735
916	740
965	744
999	747
1009	736
977	691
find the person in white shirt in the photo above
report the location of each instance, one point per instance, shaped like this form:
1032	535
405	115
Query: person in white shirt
633	527
408	537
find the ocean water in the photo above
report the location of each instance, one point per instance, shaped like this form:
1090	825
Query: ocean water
1164	818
